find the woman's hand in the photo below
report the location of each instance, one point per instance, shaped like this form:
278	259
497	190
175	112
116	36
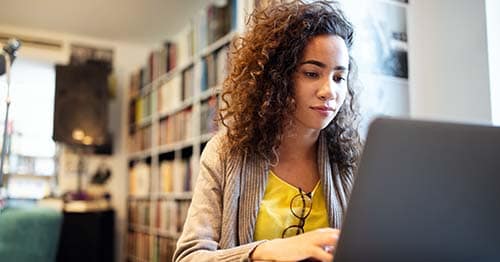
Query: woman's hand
317	244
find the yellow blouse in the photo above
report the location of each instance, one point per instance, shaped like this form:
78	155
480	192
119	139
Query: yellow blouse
274	212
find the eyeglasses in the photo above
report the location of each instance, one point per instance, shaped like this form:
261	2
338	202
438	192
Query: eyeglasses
301	206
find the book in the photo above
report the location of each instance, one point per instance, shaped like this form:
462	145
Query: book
187	83
166	176
221	66
139	179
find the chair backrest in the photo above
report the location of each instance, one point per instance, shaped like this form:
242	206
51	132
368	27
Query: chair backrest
29	234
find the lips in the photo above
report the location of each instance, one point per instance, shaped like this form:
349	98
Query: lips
323	108
323	111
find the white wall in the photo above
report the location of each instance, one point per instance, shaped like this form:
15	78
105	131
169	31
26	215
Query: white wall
448	60
127	57
493	26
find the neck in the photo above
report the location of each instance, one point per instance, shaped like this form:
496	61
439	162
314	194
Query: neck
298	145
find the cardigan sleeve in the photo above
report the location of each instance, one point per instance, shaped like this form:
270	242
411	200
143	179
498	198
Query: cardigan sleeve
201	235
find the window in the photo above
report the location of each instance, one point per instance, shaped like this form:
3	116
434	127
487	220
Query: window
30	162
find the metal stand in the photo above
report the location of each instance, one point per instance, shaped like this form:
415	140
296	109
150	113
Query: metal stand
80	170
5	125
82	152
4	141
8	52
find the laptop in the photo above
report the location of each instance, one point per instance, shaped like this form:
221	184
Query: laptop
425	191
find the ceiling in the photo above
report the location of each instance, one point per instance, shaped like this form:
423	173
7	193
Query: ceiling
137	21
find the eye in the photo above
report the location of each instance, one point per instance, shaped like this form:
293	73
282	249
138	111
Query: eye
338	78
310	74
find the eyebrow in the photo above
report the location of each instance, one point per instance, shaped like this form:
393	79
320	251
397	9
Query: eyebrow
322	65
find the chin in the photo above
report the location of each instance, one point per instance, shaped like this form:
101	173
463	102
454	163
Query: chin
325	125
313	123
319	126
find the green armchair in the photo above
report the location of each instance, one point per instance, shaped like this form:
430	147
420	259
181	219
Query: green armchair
29	234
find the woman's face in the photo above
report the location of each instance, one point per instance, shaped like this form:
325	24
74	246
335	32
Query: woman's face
321	81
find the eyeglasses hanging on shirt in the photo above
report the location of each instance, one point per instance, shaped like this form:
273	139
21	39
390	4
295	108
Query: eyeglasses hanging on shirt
300	206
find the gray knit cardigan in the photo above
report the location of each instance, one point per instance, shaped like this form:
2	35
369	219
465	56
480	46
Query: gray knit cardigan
221	219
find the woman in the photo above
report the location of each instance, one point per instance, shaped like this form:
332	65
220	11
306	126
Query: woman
274	185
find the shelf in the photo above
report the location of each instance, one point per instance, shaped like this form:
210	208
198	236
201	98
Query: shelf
141	92
146	121
140	155
146	89
163	196
166	233
151	230
176	146
190	102
138	198
178	69
218	44
134	258
213	91
183	105
205	137
172	196
140	228
165	77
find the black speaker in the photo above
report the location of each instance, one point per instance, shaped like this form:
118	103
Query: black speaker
81	105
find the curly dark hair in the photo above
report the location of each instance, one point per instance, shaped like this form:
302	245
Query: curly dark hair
258	94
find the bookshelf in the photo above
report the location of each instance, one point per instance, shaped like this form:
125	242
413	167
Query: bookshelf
171	107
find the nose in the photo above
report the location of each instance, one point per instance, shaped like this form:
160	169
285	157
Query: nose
327	91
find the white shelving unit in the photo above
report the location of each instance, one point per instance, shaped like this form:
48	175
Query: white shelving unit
156	215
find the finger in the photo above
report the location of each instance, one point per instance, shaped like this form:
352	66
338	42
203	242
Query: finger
328	229
326	237
329	249
320	254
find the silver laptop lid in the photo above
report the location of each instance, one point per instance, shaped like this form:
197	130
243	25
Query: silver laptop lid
425	191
